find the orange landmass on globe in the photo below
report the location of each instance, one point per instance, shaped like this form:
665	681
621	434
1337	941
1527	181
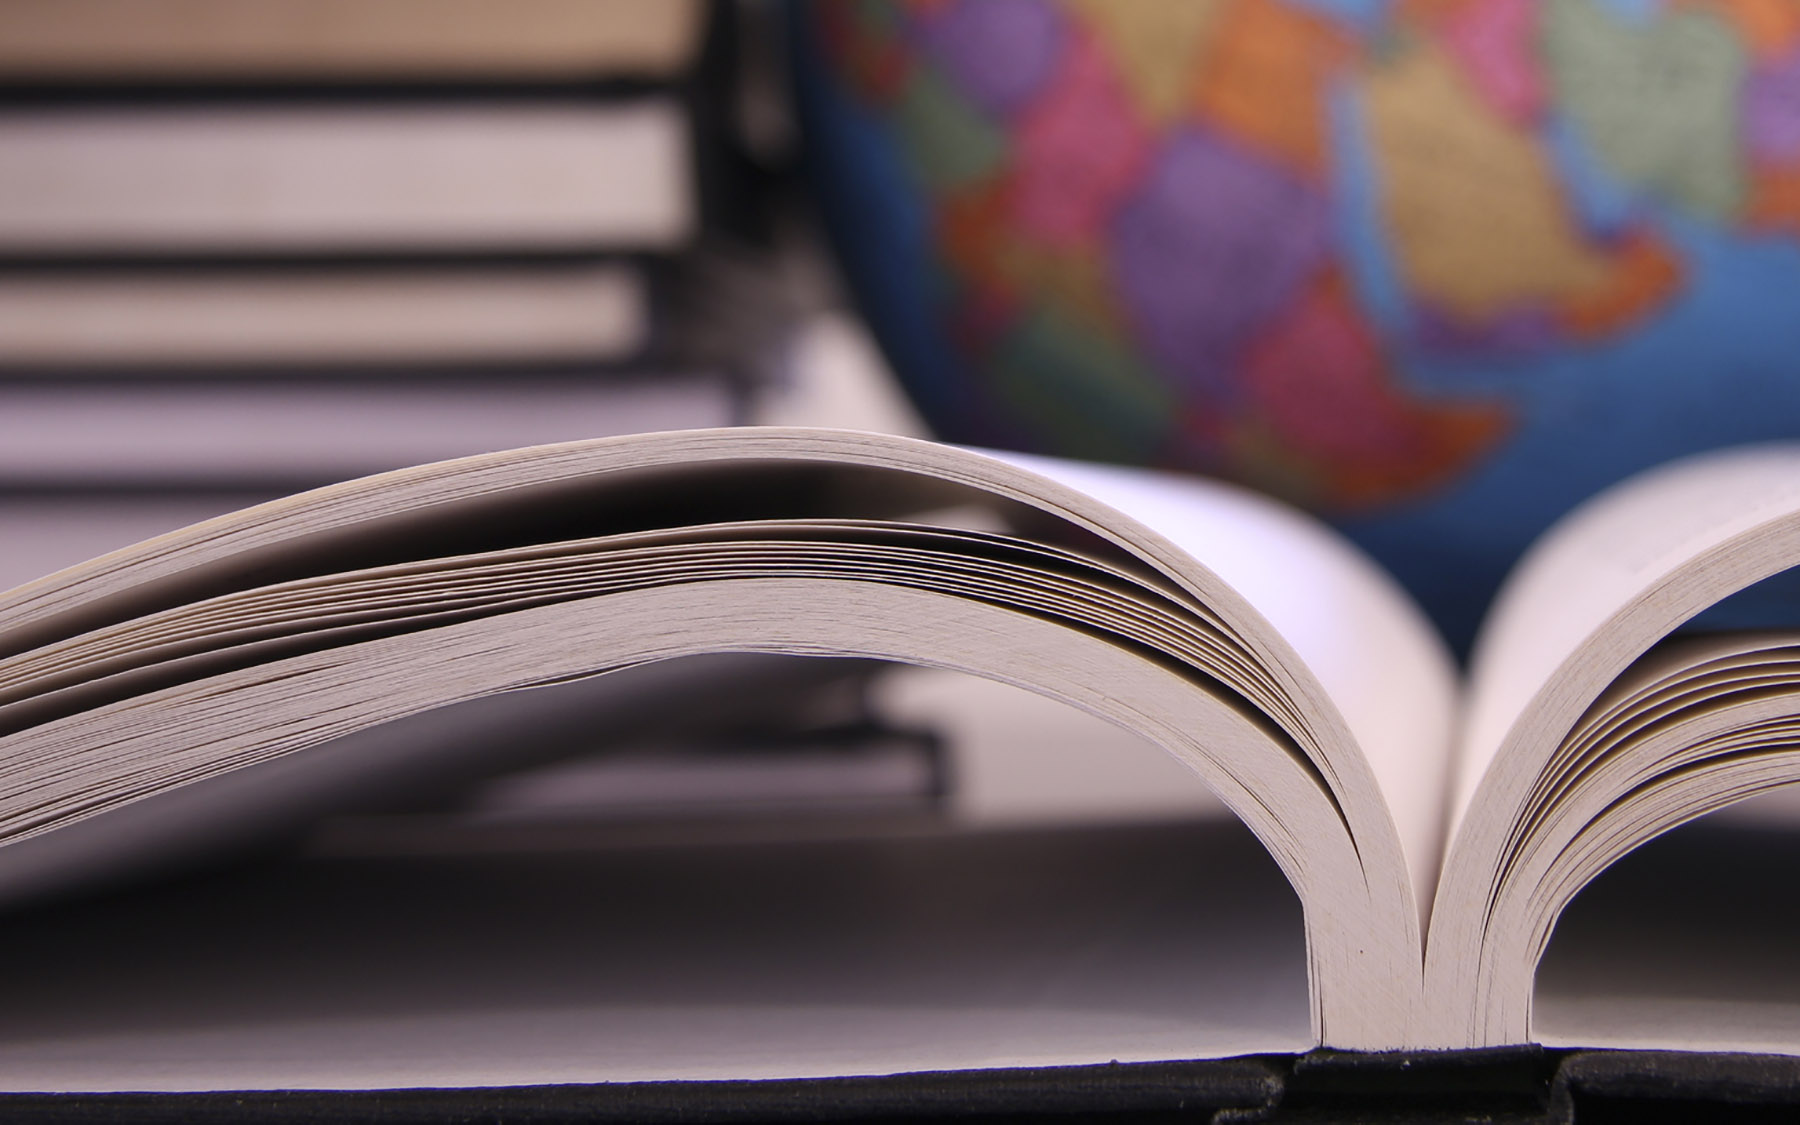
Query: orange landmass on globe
1428	12
1478	222
1774	203
1325	417
968	231
1007	271
969	226
1768	27
1155	43
1264	80
1645	272
978	243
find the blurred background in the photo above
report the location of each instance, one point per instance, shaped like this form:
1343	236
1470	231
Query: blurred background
254	246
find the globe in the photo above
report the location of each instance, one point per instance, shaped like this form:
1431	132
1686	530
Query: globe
1435	269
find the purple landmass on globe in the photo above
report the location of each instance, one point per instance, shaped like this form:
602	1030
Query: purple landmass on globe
1211	246
1517	332
997	52
1772	110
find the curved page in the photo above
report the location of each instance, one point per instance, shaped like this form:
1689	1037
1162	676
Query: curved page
1373	656
1592	597
485	544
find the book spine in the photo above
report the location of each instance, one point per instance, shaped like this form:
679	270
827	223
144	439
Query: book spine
280	317
332	39
308	180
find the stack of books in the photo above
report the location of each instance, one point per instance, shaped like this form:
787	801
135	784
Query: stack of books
285	242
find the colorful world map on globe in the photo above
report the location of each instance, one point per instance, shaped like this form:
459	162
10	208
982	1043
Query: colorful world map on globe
1438	269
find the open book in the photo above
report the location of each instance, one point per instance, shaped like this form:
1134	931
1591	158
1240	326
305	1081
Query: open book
1432	827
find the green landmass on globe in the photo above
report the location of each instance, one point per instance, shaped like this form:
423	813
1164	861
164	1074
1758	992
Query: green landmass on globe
1437	269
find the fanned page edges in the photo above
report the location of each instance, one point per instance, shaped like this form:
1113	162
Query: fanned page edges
1583	739
279	628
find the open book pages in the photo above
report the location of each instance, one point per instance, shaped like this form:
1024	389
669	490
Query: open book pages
1248	641
1581	738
